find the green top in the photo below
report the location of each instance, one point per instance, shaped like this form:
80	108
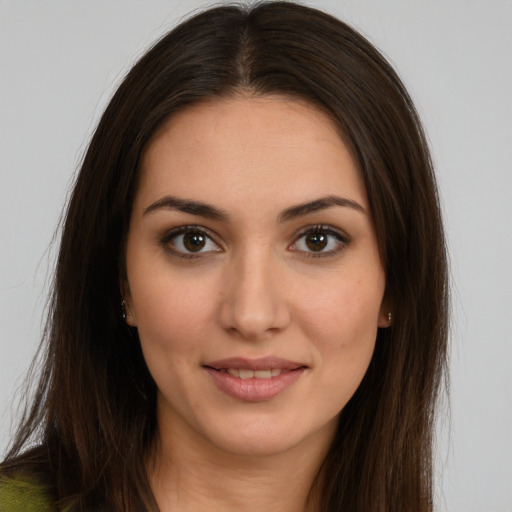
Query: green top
22	495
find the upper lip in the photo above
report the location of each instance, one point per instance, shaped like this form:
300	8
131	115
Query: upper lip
262	363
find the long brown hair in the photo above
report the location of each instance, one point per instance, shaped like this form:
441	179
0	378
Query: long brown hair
94	411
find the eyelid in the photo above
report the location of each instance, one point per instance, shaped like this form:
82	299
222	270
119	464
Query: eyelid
343	239
165	239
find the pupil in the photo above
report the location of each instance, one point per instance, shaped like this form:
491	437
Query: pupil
316	241
194	242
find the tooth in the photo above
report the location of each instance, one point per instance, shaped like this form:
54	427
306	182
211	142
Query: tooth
234	372
262	374
246	374
275	372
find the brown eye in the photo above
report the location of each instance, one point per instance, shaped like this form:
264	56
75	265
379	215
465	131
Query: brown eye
320	241
194	242
316	241
185	240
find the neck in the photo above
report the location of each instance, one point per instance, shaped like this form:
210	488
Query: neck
186	475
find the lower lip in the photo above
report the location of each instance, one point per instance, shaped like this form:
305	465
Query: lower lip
254	390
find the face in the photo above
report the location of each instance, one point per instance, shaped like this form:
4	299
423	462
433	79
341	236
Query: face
253	274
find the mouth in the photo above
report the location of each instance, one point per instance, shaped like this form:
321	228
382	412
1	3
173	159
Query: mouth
254	379
262	368
247	373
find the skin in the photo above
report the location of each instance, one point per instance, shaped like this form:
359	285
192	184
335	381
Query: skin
255	289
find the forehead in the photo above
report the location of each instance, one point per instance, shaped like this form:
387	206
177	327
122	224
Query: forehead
243	147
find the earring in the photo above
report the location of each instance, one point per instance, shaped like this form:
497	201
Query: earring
123	310
389	317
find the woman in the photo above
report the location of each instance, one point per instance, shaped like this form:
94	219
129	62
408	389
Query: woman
250	300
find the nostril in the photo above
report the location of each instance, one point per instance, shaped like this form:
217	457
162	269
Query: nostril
253	305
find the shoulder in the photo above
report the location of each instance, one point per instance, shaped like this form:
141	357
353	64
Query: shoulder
24	495
25	483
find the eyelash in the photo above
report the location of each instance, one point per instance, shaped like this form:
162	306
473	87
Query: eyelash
174	233
342	240
322	229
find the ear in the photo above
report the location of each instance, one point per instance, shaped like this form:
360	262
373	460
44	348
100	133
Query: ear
385	314
126	305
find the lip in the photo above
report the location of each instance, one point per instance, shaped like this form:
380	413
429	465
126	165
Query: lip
255	389
255	364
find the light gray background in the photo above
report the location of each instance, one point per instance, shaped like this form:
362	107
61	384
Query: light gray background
59	62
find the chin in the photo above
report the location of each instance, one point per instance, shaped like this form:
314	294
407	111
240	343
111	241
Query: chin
257	445
265	437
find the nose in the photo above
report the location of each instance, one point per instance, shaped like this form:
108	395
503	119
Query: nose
254	304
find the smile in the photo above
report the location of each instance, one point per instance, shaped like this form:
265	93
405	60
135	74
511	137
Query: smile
254	380
245	373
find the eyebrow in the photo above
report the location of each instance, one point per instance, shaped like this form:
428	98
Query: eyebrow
188	206
211	212
318	205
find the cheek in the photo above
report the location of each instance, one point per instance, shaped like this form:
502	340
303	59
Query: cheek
171	312
172	321
342	323
343	310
